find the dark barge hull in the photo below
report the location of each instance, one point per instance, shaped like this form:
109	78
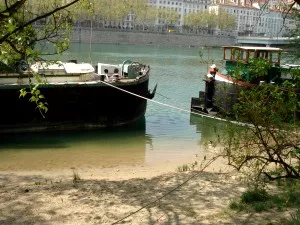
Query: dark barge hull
219	101
73	106
222	102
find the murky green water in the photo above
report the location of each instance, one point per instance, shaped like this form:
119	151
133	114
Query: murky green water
165	135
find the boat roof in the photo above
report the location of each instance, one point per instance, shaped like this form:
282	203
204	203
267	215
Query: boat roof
69	67
255	48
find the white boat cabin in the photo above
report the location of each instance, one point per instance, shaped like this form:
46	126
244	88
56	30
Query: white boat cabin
245	53
62	68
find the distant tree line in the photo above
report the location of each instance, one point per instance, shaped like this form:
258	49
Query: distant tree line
133	14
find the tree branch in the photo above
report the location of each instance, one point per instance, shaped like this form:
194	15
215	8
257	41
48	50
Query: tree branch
36	19
12	45
11	9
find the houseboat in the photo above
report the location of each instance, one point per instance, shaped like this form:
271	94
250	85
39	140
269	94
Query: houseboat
222	87
76	95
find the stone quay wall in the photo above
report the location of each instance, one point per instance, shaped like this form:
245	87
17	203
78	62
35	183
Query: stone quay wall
150	38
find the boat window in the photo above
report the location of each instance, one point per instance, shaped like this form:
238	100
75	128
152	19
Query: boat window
227	53
251	54
244	56
238	55
263	54
235	54
275	57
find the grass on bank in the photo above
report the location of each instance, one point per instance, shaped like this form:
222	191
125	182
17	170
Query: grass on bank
259	200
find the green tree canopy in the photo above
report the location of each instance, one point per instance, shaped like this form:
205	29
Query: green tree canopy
225	20
24	23
210	20
169	16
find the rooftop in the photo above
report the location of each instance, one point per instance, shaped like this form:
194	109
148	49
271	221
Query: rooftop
255	48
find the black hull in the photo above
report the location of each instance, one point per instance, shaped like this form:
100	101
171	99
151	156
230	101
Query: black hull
74	106
217	100
221	103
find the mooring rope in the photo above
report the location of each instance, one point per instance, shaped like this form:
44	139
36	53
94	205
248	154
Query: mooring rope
204	166
177	108
156	200
189	178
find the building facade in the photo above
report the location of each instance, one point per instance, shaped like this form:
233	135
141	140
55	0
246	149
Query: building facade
182	7
256	20
263	18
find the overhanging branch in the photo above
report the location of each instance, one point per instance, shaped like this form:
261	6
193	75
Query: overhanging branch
36	19
11	9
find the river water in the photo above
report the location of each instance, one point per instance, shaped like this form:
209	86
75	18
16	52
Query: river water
165	136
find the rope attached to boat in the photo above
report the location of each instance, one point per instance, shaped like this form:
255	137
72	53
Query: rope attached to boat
177	108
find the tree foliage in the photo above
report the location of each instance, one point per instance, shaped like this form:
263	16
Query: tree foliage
223	20
168	16
24	24
268	146
118	11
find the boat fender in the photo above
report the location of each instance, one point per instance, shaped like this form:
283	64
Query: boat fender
115	76
23	66
73	61
103	77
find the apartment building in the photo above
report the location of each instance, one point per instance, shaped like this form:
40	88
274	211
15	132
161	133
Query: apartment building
263	18
182	7
258	19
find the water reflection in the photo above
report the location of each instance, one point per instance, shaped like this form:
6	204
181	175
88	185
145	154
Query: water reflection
59	150
169	136
209	128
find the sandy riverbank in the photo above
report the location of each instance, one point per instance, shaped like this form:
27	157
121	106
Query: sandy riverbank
106	195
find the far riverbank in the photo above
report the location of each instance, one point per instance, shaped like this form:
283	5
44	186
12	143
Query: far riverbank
84	35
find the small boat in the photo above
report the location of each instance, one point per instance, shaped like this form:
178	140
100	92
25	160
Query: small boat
77	95
222	87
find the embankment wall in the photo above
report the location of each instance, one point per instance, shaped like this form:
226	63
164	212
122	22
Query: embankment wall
148	38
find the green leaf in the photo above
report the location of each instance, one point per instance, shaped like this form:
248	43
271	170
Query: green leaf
297	150
33	99
23	93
